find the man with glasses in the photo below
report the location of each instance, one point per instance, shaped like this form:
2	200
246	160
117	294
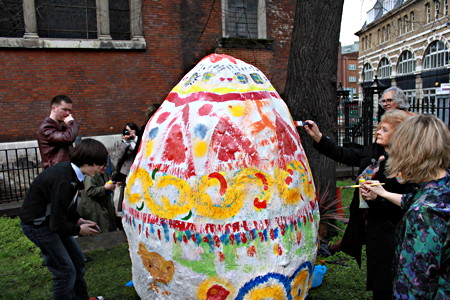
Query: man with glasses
394	98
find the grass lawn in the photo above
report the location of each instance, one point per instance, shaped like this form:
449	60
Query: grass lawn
23	275
344	279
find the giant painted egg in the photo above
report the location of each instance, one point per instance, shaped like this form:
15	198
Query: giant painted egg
220	201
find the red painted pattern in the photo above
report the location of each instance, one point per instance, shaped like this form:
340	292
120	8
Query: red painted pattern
174	149
162	117
261	236
243	237
205	110
222	181
216	240
304	214
179	100
260	204
279	249
214	58
251	251
217	292
288	180
263	179
227	140
221	256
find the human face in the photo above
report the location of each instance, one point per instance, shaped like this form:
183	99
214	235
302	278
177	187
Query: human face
388	101
384	134
92	170
132	132
61	111
102	169
399	178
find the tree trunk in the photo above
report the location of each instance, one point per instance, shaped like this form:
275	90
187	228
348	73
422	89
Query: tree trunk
311	80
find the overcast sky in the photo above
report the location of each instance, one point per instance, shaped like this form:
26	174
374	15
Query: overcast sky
353	18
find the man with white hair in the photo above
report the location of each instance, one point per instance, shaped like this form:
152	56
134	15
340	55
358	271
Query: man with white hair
394	98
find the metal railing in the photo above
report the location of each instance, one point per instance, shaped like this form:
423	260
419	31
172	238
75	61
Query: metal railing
18	168
438	106
351	119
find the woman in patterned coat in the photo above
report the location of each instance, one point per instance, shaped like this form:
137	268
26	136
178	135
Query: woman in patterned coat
420	153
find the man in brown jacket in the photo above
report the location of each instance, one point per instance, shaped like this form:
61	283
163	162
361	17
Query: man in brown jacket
57	133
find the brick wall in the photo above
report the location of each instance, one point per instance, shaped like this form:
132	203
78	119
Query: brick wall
110	88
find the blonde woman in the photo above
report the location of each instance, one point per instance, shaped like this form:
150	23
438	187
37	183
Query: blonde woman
373	226
420	153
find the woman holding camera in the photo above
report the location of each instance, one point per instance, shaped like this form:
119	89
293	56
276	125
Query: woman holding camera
126	154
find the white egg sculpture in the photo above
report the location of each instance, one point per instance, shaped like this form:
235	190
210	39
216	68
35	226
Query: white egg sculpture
220	201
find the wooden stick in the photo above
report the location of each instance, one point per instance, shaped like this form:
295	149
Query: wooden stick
359	185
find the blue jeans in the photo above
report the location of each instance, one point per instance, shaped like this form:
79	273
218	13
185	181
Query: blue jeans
63	257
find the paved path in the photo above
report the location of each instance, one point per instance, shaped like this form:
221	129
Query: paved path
102	240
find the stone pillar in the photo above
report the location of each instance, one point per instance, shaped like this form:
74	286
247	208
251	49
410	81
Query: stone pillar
137	33
419	79
262	23
419	85
29	18
103	31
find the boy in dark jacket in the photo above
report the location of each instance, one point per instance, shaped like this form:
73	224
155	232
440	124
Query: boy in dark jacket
50	220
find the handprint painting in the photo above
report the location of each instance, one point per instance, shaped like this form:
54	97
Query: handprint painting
220	201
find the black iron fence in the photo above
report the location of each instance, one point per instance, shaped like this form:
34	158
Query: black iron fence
349	122
438	106
18	168
350	119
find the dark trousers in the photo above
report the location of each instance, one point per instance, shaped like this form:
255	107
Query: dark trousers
65	260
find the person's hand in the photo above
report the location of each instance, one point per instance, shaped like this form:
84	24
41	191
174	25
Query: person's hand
131	136
313	130
367	194
88	228
376	190
109	186
83	221
68	119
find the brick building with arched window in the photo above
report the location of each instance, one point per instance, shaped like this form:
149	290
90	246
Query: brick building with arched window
406	44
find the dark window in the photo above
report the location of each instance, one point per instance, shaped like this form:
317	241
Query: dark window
72	19
242	18
11	18
119	19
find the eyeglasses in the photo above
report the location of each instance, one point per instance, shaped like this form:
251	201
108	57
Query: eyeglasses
384	101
